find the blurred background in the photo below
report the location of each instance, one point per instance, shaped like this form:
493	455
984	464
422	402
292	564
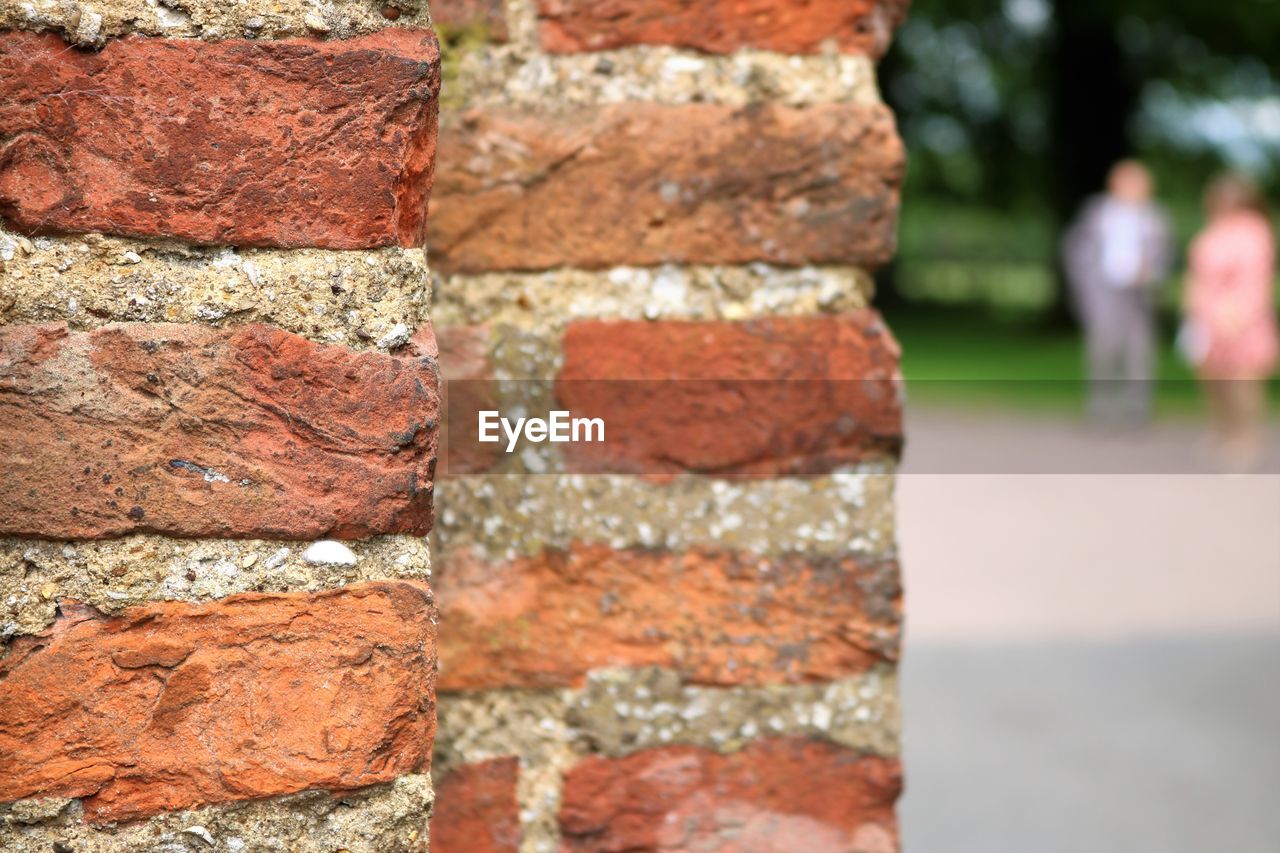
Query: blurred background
1093	618
1013	111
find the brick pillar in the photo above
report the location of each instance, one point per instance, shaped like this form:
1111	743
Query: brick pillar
219	411
705	659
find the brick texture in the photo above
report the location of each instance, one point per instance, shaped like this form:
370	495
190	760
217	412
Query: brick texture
468	390
194	431
775	796
721	26
476	809
643	184
800	395
716	618
287	143
172	705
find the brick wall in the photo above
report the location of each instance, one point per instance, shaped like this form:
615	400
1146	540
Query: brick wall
700	654
219	414
219	411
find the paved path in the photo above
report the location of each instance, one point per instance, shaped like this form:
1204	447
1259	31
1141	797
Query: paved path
1092	661
1143	747
947	441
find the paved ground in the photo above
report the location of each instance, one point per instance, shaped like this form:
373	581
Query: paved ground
1142	747
1093	661
948	441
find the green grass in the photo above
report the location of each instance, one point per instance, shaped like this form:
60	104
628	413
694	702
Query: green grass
976	281
970	355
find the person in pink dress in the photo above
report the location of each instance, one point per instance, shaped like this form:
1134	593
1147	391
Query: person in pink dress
1230	334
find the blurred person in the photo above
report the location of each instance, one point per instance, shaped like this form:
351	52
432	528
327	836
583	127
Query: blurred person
1230	333
1115	254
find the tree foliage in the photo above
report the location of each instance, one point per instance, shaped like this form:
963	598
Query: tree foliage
1015	102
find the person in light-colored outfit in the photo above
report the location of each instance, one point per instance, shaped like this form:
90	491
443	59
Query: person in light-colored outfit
1116	253
1230	334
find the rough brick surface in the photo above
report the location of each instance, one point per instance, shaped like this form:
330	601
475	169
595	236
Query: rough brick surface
268	143
644	184
716	618
173	705
775	796
476	809
721	26
795	395
192	431
486	18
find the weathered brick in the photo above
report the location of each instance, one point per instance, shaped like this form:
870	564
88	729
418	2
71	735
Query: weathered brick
715	617
786	395
721	26
774	795
645	184
486	19
468	390
191	431
173	705
476	809
296	142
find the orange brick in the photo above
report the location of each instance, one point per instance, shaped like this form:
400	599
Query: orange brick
721	26
717	618
643	184
774	795
476	809
175	705
294	142
797	395
193	431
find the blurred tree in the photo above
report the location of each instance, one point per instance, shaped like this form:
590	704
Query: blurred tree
1093	94
1235	28
1019	107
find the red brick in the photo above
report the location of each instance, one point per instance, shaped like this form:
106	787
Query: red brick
716	618
645	184
775	796
721	26
799	395
173	705
296	142
476	810
484	19
468	390
193	431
